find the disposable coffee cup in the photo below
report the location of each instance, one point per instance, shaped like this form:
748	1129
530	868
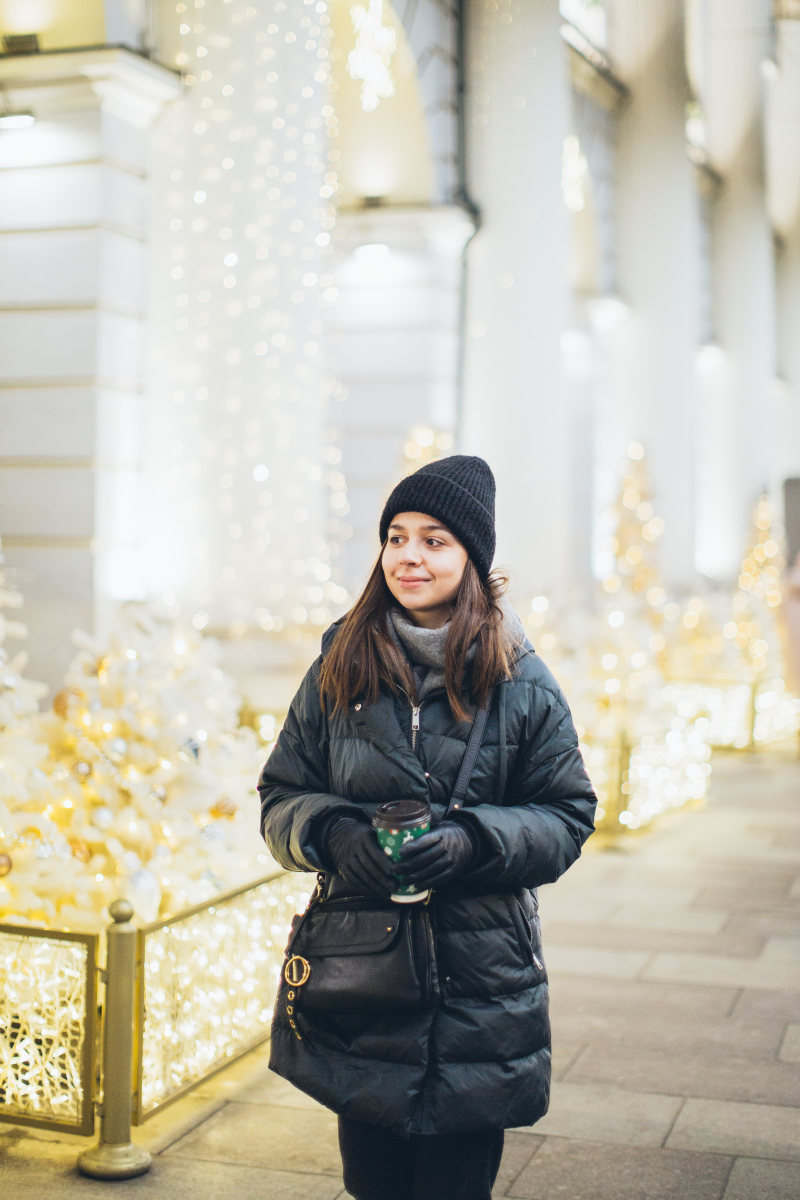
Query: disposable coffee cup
397	822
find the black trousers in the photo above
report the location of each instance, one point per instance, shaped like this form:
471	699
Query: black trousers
380	1165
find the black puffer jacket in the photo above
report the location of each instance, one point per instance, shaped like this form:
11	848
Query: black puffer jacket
481	1058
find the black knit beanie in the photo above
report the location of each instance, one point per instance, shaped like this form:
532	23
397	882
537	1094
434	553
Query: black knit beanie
459	491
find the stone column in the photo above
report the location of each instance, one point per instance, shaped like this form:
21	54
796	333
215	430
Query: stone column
658	247
786	462
514	414
738	453
396	337
783	171
72	249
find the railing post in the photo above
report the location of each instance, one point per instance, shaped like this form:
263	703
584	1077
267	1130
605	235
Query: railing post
115	1156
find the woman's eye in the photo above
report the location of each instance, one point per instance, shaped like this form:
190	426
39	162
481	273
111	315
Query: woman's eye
434	542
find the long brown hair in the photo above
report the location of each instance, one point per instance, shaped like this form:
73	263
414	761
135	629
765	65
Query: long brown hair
363	654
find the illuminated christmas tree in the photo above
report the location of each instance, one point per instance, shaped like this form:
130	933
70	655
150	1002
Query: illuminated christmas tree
643	754
755	632
424	445
636	534
29	839
148	790
754	625
19	697
726	657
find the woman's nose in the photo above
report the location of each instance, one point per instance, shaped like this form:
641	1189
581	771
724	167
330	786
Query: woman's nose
410	554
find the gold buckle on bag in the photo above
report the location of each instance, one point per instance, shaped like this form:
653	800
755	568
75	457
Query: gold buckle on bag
297	970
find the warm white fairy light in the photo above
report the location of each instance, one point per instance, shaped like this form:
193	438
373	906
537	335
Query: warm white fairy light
209	982
424	445
246	511
44	1023
575	178
370	59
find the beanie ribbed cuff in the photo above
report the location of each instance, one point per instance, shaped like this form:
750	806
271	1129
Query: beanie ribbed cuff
459	491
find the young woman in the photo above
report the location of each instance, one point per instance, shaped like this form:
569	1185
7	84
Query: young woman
385	713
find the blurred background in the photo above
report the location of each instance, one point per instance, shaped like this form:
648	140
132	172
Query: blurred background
260	258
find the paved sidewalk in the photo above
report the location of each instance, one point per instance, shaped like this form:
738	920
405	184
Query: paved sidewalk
675	980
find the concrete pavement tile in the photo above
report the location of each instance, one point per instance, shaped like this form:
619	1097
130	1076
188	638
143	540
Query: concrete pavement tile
177	1179
603	1112
582	1007
626	891
576	909
747	899
690	1036
757	849
767	1006
732	942
270	1088
765	925
266	1136
783	949
790	1046
518	1150
713	1072
592	1171
763	1179
789	839
584	960
565	1052
770	970
650	917
726	1127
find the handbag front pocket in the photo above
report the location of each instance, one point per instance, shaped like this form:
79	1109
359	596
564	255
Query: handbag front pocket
346	956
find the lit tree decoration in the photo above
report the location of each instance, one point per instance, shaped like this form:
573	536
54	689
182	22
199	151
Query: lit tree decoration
644	754
149	788
637	532
633	598
757	600
19	696
726	658
424	445
754	631
31	845
370	59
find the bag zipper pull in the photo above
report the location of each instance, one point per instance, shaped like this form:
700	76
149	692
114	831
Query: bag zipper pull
414	724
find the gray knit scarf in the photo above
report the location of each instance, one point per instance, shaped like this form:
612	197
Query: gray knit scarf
424	648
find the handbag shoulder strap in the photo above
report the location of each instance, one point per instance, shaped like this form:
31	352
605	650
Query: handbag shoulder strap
470	756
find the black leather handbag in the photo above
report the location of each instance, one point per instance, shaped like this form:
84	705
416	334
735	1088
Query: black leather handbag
357	954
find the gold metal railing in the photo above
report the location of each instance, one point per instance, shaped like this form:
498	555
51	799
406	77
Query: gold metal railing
183	998
207	980
48	1028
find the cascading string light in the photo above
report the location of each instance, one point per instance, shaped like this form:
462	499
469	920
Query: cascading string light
241	384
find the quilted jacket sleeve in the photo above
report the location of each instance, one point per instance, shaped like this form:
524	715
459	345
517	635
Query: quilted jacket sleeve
549	805
293	785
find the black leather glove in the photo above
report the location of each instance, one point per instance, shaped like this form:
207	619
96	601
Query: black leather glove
353	848
437	857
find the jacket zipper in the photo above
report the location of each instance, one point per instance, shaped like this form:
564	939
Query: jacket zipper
414	725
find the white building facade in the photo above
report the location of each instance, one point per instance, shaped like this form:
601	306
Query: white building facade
237	286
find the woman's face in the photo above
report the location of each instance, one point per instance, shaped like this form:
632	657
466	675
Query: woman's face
423	563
